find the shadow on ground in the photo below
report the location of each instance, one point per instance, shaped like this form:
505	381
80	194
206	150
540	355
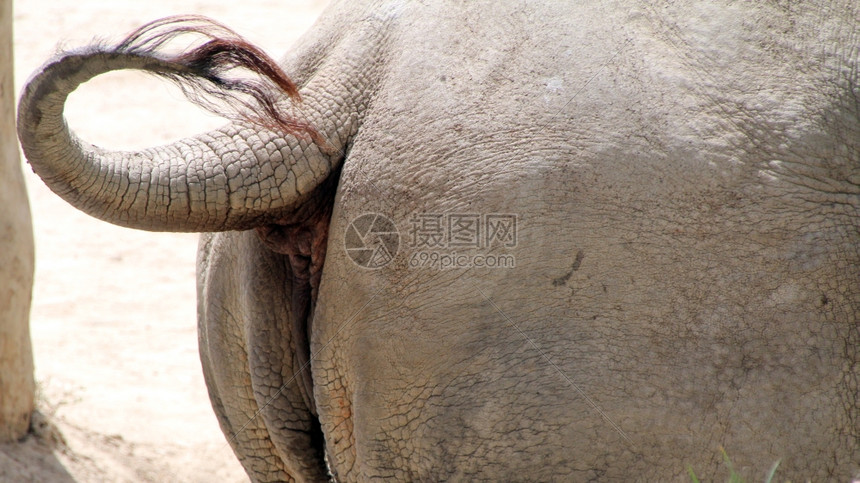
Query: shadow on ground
35	457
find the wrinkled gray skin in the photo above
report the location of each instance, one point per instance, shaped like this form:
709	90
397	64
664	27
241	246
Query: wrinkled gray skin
687	181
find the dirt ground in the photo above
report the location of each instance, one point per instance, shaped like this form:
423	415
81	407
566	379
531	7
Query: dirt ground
113	317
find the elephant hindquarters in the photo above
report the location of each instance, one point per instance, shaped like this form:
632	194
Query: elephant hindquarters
303	237
250	358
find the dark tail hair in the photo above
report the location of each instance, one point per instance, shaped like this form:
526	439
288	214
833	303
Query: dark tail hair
210	74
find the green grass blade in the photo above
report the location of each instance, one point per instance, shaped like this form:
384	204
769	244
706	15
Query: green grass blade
692	474
772	472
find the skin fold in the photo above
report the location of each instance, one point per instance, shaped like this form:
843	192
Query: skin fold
686	183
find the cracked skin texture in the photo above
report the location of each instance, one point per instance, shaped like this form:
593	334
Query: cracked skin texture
701	191
687	184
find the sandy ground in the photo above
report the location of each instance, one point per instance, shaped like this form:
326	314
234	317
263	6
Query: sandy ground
113	317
